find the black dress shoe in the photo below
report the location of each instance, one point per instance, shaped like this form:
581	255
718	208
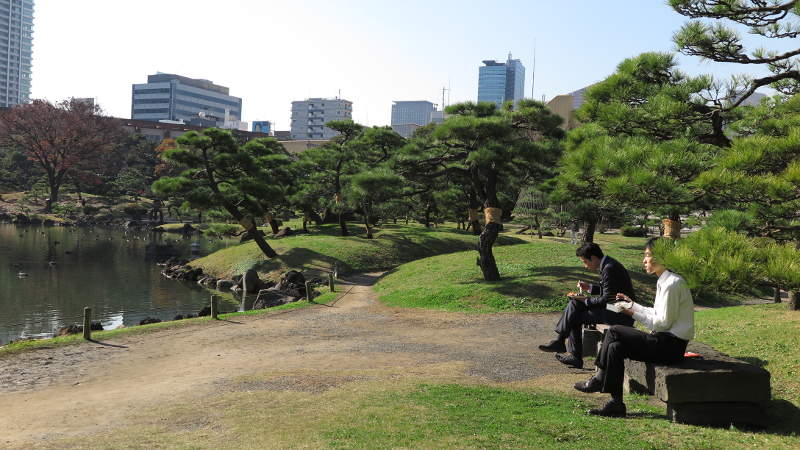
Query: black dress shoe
554	346
614	408
592	385
570	360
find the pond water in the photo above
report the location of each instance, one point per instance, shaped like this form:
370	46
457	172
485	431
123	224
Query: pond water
49	274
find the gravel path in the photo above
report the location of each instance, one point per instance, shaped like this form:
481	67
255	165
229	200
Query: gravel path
82	389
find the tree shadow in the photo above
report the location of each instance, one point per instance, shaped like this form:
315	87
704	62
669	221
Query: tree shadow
106	344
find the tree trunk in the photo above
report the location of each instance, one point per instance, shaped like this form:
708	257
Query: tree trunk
366	222
794	300
474	223
538	226
343	224
672	226
588	235
200	217
250	225
53	197
428	215
273	224
485	256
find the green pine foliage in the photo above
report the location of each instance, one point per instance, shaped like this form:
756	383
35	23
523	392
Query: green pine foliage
716	261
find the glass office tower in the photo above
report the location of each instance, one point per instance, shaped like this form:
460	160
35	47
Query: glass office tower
500	82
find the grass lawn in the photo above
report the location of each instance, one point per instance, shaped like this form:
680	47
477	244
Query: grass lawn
408	414
535	277
320	250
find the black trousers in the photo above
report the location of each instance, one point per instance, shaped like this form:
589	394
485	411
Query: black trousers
623	342
576	314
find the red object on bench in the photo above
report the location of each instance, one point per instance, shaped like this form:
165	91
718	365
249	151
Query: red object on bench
692	355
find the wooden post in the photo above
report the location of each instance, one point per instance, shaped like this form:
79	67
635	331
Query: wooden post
87	323
335	270
244	291
214	306
308	290
794	300
776	295
331	282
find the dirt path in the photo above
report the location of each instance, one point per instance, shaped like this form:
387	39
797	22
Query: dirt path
49	394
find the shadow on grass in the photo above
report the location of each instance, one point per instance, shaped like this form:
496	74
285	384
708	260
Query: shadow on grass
784	418
758	362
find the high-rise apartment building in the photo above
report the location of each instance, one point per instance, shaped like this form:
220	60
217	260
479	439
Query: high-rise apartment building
500	82
309	117
16	42
167	96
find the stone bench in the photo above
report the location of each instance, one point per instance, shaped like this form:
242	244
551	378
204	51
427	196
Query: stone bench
713	390
592	339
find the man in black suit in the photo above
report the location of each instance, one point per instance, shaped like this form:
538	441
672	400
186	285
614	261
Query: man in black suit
591	310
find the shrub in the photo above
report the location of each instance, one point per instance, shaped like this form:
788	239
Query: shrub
717	260
631	231
90	210
134	211
222	229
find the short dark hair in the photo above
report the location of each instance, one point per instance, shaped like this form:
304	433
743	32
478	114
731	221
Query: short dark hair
651	243
589	249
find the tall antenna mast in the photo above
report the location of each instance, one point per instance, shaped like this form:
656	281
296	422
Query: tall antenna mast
448	92
533	72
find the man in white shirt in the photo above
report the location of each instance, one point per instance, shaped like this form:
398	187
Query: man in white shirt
672	320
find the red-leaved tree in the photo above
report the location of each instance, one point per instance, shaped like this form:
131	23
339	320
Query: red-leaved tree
68	140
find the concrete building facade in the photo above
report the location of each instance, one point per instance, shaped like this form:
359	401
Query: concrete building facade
168	96
262	126
309	117
407	116
16	47
499	82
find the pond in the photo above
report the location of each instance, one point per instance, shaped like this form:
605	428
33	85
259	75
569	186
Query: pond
49	274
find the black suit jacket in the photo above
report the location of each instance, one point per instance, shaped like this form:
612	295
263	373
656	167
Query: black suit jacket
614	278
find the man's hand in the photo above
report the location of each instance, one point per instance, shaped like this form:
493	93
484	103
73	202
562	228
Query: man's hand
623	297
583	285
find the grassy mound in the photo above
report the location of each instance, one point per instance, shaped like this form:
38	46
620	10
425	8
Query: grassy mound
535	277
320	250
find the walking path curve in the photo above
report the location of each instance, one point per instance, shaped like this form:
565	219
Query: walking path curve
63	392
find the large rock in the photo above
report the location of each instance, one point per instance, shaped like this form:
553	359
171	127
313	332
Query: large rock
715	377
293	283
69	329
268	298
223	285
252	282
713	390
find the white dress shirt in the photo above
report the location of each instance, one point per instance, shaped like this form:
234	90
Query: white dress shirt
673	309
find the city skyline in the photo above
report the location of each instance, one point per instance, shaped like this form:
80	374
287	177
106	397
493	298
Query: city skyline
371	53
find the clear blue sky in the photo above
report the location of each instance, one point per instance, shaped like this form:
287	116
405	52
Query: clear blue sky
272	52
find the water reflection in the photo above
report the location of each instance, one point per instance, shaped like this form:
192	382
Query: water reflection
67	269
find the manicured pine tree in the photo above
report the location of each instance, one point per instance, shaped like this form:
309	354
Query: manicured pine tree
218	172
